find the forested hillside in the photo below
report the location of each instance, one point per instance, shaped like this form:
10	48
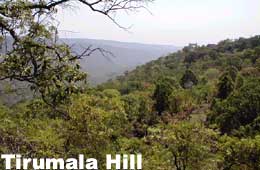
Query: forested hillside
215	87
198	108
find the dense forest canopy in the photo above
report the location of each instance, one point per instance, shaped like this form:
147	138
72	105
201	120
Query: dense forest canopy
198	108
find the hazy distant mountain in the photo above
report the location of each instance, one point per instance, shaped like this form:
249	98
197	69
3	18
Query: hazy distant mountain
126	56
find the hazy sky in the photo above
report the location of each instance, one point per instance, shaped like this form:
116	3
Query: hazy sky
175	22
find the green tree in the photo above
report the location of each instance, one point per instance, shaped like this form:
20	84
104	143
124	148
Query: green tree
225	86
138	107
188	79
239	109
232	71
235	62
258	64
161	95
257	54
240	154
252	54
189	146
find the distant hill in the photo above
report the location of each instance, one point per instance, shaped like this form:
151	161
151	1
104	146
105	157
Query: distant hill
126	56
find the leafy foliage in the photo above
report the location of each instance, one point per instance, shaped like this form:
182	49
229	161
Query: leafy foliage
173	116
161	95
188	79
225	86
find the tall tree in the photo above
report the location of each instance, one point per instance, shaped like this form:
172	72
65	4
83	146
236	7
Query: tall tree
161	95
225	86
188	79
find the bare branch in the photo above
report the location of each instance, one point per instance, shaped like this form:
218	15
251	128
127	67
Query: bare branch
88	51
104	7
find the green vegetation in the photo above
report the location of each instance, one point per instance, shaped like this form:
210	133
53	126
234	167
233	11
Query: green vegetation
198	108
206	101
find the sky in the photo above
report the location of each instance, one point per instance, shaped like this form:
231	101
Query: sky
172	22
